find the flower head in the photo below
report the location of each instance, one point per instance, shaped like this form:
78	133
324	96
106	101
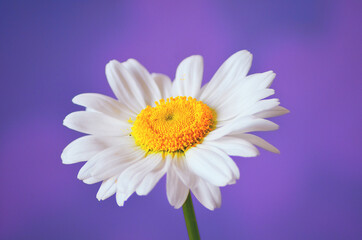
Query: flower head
174	125
157	127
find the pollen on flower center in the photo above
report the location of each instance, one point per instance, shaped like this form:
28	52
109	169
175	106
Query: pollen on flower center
174	125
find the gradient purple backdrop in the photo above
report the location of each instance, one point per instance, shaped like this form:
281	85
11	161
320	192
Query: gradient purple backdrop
51	51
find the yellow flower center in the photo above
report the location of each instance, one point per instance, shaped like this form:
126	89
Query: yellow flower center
173	125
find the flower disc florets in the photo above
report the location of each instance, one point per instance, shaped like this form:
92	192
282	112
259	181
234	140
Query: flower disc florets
173	125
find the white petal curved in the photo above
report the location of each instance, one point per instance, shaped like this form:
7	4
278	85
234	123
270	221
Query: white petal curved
239	104
104	104
221	151
132	84
274	112
241	125
260	80
132	176
181	168
254	83
107	189
262	105
235	146
242	99
211	165
111	161
188	77
232	71
96	123
121	197
84	148
124	86
209	195
149	182
257	124
164	84
91	180
148	86
177	191
151	179
256	141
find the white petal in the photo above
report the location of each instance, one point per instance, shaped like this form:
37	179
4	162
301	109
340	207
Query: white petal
239	103
122	197
256	141
256	124
84	148
91	180
107	189
113	162
104	104
232	71
164	84
124	86
132	84
235	146
209	195
260	80
188	77
262	105
221	149
240	125
242	99
84	172
110	162
176	191
151	179
96	123
211	165
274	112
222	130
148	86
255	82
132	177
183	171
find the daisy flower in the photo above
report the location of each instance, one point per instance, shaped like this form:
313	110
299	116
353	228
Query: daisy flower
156	127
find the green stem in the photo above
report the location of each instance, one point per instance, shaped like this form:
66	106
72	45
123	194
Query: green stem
190	219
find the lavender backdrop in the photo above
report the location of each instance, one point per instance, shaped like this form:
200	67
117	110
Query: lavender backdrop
52	50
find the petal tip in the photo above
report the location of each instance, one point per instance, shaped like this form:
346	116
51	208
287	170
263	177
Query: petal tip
111	64
198	57
132	61
78	99
245	53
66	120
99	196
75	99
79	176
64	158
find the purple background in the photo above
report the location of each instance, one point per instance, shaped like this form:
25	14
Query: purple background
51	51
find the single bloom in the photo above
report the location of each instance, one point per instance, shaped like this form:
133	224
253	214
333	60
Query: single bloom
156	127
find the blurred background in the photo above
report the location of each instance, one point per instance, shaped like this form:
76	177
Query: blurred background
51	51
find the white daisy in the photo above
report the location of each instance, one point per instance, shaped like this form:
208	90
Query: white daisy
157	127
